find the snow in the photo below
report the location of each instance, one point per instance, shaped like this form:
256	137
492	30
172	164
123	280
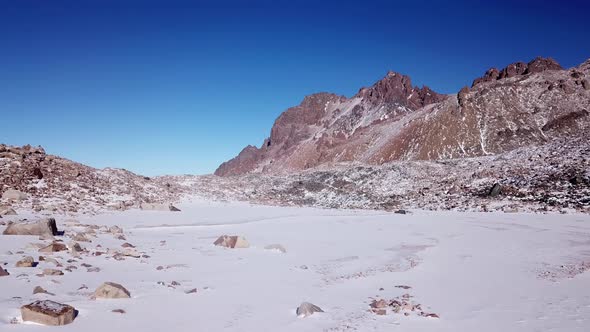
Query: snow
477	271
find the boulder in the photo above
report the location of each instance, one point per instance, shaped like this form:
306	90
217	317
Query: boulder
307	309
54	247
26	262
48	313
276	246
42	227
14	195
231	242
115	230
111	290
81	237
41	290
3	272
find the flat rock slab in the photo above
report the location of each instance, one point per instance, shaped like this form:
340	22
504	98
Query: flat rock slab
42	227
54	247
48	312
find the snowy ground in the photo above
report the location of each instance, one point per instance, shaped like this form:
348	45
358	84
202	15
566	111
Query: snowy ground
477	271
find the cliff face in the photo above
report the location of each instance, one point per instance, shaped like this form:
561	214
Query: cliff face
520	105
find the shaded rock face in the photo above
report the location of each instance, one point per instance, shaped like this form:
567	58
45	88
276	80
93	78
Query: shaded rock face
111	290
43	227
26	262
48	313
3	272
523	104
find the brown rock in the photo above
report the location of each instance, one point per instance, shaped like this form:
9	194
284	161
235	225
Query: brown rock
118	311
52	272
3	272
48	313
307	309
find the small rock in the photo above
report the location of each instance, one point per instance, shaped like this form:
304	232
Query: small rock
3	272
378	304
40	290
80	237
111	290
48	313
52	272
380	312
118	311
307	309
495	190
127	245
403	287
159	268
401	212
231	242
175	283
191	291
116	230
93	269
26	262
54	247
276	247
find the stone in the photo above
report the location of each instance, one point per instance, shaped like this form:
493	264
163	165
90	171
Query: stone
48	312
26	262
13	195
3	272
380	312
276	247
115	230
231	242
75	248
378	304
42	227
52	272
401	212
54	247
586	84
81	237
111	290
307	309
191	291
41	290
495	190
93	269
127	245
7	211
118	311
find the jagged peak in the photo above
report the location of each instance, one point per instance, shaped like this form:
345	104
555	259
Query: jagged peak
536	65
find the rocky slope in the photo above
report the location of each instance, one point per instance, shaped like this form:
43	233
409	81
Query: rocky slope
54	184
524	104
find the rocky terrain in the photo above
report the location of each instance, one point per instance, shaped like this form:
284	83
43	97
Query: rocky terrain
522	105
53	184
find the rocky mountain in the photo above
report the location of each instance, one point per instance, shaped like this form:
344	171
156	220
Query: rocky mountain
524	104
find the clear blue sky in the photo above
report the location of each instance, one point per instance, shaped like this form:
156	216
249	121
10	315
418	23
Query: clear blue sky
172	87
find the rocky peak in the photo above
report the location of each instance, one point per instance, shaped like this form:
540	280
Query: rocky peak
536	65
398	88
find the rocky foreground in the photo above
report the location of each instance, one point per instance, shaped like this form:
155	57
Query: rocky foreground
237	267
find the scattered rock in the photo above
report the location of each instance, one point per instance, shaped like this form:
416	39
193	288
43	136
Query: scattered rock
111	290
52	272
276	247
54	247
42	227
231	242
307	309
40	290
48	312
26	262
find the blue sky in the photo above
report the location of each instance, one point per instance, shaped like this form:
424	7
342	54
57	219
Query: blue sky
175	87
